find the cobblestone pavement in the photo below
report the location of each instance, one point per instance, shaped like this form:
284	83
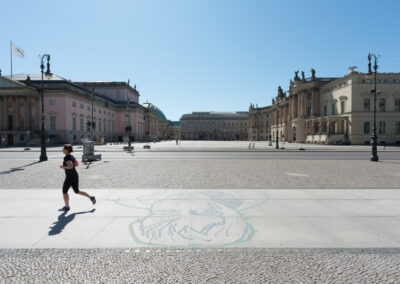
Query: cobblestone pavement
200	266
192	174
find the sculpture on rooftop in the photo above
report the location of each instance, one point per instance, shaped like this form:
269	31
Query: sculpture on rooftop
312	73
28	80
303	77
280	92
296	76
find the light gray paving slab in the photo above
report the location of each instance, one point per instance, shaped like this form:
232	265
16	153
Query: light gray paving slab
200	218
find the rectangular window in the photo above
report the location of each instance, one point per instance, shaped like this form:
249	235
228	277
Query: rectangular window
397	127
309	96
342	107
367	127
333	109
74	123
52	102
397	105
53	123
367	103
88	108
104	126
99	125
382	105
74	104
309	110
325	110
382	127
82	106
81	124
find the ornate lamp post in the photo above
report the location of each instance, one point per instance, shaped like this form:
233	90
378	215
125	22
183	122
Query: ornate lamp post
48	75
374	137
129	128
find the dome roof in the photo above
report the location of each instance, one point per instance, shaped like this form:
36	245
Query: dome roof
158	111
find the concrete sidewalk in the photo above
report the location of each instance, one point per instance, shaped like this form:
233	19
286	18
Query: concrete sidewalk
274	218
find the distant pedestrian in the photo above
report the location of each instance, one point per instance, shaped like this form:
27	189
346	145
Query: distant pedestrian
71	177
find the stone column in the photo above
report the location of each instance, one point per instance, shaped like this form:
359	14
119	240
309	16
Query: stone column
5	112
2	112
16	113
29	112
328	127
37	114
25	113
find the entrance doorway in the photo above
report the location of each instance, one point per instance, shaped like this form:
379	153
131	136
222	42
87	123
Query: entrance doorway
10	122
294	133
10	140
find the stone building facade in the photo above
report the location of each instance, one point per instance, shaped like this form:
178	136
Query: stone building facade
259	127
68	109
214	126
337	110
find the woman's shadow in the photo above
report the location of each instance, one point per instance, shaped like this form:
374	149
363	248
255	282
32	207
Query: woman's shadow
63	220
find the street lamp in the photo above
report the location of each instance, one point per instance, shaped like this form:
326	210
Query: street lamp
374	137
129	128
277	122
48	75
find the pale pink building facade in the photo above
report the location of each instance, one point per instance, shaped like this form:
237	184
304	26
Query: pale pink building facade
68	109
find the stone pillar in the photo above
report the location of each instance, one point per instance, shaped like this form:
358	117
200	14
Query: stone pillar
5	112
2	112
16	113
29	112
328	127
37	114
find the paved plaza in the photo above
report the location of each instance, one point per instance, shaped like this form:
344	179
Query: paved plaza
203	216
271	218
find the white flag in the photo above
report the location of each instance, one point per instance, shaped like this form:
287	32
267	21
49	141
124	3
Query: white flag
17	51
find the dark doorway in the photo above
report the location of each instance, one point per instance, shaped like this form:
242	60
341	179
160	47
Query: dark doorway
10	122
10	140
294	134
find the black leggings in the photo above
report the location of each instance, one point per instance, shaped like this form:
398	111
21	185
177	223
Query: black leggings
71	181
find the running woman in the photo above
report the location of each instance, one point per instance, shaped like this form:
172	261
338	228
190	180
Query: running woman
71	177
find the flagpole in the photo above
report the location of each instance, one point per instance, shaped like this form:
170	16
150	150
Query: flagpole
11	56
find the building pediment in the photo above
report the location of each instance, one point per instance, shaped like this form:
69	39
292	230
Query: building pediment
7	83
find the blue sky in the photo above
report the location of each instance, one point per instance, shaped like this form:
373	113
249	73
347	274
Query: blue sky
200	55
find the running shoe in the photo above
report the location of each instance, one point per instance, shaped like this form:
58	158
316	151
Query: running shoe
65	209
93	199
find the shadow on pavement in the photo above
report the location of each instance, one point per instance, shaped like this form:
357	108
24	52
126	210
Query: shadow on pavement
63	221
17	169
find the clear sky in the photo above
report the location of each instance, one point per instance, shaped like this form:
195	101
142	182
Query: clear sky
200	55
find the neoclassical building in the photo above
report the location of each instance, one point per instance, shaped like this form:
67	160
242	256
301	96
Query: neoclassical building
259	126
337	110
214	126
68	109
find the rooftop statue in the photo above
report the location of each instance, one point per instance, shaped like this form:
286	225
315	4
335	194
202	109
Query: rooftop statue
312	73
296	76
280	91
303	77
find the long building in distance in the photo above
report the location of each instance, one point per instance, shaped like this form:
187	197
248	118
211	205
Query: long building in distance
214	126
68	109
331	110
